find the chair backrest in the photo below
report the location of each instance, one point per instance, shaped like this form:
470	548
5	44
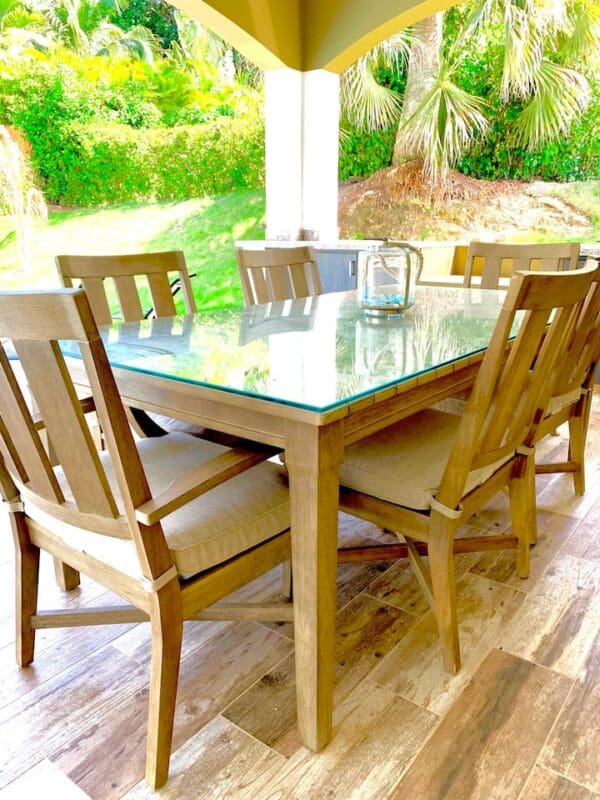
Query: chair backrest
94	271
544	257
575	368
278	273
78	491
511	391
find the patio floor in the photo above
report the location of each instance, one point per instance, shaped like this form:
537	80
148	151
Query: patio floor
521	720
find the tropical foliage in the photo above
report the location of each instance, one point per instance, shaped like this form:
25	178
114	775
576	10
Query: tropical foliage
79	79
528	61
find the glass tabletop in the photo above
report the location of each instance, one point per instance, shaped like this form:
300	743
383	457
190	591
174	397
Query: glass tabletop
317	353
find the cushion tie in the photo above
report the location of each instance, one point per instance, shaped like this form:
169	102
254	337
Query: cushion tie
451	513
525	450
162	580
13	506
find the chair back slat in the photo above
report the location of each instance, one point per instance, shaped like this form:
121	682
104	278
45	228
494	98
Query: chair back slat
96	292
96	272
22	444
278	281
162	297
65	424
299	280
518	257
279	273
129	299
513	382
510	391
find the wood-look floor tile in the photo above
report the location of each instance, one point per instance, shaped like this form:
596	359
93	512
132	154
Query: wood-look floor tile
544	784
414	670
365	631
573	749
43	780
220	762
137	642
56	649
558	623
585	541
60	708
488	742
553	532
398	585
376	735
211	676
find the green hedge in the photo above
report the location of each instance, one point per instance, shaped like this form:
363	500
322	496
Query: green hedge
114	163
362	153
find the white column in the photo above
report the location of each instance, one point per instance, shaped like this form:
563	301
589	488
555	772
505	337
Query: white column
302	129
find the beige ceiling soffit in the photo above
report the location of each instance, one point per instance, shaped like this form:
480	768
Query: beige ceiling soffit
265	31
349	35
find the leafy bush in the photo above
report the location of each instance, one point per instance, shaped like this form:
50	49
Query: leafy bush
114	163
574	157
363	153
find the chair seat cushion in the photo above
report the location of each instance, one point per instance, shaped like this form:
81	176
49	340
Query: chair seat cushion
226	521
404	463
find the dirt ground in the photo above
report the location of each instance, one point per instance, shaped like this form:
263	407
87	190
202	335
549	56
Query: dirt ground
396	203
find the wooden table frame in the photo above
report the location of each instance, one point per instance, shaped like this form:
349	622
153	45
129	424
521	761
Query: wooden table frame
313	444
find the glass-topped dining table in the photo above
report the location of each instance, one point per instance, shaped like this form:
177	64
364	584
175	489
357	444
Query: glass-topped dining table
308	376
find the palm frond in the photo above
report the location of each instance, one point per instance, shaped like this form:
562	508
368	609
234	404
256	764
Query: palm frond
137	43
522	52
581	41
366	104
21	17
560	97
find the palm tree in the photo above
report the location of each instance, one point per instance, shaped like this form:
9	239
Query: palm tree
540	38
198	46
18	197
84	26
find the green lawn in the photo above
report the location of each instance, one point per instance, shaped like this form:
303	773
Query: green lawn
205	229
585	196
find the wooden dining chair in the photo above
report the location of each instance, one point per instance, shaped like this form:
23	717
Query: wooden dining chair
515	257
572	387
278	273
423	477
170	524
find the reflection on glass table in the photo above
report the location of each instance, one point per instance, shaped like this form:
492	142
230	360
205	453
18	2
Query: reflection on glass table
316	353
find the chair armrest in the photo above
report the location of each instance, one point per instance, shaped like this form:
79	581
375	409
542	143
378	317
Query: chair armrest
201	479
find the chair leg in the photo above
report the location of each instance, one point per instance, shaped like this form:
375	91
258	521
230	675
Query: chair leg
167	631
523	514
27	564
577	436
287	587
67	577
441	565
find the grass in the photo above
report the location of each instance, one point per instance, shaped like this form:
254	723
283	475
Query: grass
585	196
205	229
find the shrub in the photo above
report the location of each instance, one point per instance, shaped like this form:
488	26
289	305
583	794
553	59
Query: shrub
362	153
115	164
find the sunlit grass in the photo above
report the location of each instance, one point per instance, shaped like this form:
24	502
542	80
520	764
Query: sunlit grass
205	229
584	196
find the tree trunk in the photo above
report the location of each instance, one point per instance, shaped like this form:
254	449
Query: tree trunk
423	67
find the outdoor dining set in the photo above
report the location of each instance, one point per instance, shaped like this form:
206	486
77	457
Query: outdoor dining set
173	458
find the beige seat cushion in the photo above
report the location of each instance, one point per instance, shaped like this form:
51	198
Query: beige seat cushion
227	520
404	463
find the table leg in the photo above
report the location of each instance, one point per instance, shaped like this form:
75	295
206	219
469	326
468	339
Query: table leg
312	457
